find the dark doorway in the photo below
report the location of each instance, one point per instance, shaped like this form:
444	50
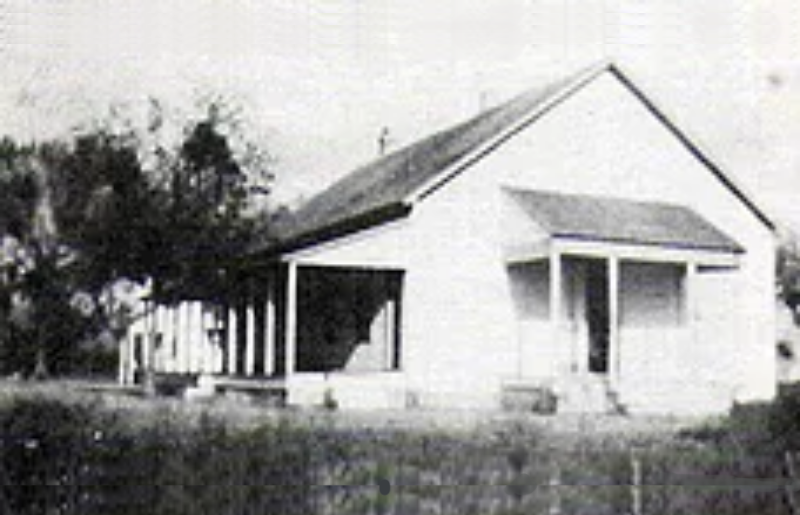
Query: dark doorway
597	317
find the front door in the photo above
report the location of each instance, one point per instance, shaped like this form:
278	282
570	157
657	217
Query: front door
597	317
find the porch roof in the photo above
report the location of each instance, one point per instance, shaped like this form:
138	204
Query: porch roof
616	220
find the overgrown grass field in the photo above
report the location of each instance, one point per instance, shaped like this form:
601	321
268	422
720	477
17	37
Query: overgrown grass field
69	453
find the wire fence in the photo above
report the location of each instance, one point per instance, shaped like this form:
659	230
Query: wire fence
362	477
56	459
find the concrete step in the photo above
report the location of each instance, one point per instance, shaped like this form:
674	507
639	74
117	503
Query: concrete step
585	395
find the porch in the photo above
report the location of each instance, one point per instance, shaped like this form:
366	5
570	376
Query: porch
287	331
616	300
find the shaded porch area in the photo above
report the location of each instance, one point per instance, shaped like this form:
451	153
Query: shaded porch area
604	329
615	300
279	330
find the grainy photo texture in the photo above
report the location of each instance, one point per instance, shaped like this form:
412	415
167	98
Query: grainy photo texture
399	257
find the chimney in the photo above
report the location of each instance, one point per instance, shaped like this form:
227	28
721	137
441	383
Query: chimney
383	141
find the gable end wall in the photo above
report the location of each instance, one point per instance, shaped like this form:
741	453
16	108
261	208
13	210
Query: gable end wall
602	141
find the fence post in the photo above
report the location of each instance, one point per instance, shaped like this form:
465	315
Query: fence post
636	484
555	491
791	484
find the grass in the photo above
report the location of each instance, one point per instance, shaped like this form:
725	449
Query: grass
74	448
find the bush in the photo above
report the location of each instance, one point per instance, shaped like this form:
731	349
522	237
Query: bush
45	449
784	418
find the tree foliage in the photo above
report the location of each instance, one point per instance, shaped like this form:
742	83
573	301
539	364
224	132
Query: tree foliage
79	216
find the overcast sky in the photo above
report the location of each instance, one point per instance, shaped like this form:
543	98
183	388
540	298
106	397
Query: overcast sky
319	79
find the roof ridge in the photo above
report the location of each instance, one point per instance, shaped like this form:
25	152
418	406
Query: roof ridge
536	102
393	183
389	187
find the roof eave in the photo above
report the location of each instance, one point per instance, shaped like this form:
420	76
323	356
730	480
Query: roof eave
336	230
733	248
692	146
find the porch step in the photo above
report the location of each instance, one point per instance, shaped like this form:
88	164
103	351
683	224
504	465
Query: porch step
586	395
529	397
269	391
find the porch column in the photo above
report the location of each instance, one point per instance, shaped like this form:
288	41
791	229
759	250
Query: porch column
613	318
189	334
156	357
250	337
290	343
269	331
132	363
122	371
231	328
181	336
690	295
165	329
207	365
198	341
389	335
555	295
175	343
148	340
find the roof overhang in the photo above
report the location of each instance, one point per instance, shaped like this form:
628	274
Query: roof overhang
346	227
538	251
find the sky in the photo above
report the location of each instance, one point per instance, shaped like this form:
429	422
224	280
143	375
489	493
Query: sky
318	80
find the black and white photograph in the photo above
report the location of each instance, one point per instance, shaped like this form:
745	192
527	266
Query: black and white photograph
406	257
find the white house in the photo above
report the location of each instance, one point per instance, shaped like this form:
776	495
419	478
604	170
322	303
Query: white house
573	239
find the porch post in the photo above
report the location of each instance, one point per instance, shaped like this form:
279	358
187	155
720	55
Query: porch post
184	337
555	294
191	333
269	330
165	328
231	328
122	371
148	343
207	365
131	361
250	336
690	295
291	319
157	357
389	332
613	318
180	337
198	340
175	329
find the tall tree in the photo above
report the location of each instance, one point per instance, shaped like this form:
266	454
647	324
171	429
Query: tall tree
105	207
36	285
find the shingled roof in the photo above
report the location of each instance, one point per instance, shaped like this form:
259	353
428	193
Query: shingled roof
622	221
386	189
379	190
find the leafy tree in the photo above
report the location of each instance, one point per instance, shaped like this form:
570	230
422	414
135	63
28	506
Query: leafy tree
207	191
35	287
111	205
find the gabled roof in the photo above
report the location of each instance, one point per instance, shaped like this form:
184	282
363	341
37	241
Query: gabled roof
387	188
614	220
